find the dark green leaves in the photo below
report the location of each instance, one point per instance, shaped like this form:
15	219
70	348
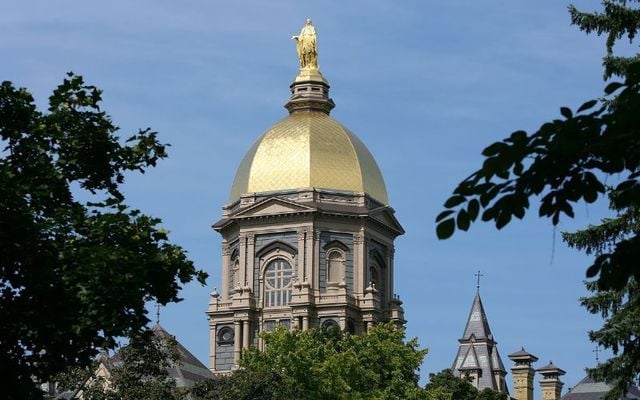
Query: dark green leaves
445	228
76	273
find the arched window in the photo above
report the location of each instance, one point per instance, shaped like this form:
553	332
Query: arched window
374	275
335	266
278	280
330	324
235	273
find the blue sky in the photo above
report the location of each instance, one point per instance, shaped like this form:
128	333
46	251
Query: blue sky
426	85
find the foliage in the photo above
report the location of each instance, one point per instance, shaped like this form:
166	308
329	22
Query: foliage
570	160
137	372
620	308
76	264
329	364
617	20
446	386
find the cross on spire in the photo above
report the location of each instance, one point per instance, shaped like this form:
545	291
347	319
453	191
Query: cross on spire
478	275
597	351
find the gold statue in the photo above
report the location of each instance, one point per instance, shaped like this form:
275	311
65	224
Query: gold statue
307	46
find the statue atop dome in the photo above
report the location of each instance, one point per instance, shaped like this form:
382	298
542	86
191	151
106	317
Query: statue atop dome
307	46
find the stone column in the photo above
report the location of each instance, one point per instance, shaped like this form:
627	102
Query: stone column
308	266
523	374
359	267
251	257
305	323
302	255
314	276
550	383
243	259
245	334
212	348
226	274
237	337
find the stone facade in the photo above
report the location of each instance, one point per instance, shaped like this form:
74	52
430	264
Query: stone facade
335	266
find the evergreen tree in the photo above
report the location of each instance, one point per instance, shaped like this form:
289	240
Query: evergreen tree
570	160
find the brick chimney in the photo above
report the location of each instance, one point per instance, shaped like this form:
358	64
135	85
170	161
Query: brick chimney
523	373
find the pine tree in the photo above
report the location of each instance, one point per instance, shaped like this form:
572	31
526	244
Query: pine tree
567	161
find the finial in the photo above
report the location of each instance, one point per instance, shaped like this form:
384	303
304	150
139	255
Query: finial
309	90
597	351
157	313
478	275
307	46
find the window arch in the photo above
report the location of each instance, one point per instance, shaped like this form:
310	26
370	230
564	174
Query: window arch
278	280
330	324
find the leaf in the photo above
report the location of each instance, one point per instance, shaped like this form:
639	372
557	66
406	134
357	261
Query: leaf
493	149
566	112
463	220
589	104
445	229
612	87
593	270
473	208
502	220
454	201
444	214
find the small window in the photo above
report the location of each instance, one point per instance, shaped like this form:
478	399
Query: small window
225	335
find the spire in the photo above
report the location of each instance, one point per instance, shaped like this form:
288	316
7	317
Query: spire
478	354
477	324
309	90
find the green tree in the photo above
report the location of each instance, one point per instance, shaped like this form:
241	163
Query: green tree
329	364
138	371
570	160
76	263
446	386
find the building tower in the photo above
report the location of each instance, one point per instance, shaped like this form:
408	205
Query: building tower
523	374
478	355
550	383
308	233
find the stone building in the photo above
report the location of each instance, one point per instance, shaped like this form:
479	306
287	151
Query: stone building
478	358
308	233
478	355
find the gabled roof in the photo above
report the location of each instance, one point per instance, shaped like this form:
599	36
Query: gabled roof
188	370
589	389
470	360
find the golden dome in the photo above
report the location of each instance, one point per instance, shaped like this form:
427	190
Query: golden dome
309	150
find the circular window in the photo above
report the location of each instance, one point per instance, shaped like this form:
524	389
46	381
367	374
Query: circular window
225	335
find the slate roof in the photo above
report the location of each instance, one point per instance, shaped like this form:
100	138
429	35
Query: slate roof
588	389
477	324
189	370
478	350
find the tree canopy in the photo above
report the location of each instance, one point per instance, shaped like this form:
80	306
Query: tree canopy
138	371
446	386
588	154
328	364
76	263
